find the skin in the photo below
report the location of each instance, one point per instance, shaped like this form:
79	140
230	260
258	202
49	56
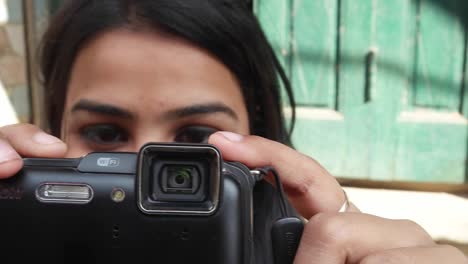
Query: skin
166	77
143	85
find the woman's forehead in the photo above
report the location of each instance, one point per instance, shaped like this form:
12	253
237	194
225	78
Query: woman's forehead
133	68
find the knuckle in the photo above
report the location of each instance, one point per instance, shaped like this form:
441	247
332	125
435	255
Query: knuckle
18	128
303	185
328	228
417	232
299	188
389	257
409	223
4	140
457	254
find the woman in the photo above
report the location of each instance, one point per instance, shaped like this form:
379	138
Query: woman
122	73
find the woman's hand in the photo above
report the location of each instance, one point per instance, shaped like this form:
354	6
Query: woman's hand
330	237
26	140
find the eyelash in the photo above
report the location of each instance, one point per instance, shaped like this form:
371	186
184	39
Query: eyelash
194	134
107	135
96	134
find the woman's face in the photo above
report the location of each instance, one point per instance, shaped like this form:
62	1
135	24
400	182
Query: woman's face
128	88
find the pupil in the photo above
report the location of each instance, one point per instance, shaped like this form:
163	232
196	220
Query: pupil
180	179
109	135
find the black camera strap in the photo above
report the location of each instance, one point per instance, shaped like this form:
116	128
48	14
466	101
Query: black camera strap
286	232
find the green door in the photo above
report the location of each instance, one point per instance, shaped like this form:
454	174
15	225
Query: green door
380	84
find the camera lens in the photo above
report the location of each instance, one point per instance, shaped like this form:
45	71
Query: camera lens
180	177
183	179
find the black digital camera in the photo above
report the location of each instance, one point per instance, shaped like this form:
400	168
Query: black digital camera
169	203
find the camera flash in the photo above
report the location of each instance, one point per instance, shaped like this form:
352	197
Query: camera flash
64	193
117	195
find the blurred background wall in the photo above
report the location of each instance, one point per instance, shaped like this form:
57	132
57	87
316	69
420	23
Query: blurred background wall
380	84
15	90
13	84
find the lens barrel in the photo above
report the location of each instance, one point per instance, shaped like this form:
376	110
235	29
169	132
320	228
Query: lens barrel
179	178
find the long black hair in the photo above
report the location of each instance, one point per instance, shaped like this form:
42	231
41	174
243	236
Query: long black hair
226	28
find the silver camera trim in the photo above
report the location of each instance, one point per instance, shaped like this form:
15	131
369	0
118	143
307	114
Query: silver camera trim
216	184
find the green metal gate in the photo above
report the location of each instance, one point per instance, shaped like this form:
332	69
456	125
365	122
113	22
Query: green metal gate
380	84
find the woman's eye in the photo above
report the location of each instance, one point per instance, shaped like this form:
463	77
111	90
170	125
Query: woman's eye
194	134
104	134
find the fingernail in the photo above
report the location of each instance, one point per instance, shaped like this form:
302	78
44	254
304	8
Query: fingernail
45	139
232	136
7	153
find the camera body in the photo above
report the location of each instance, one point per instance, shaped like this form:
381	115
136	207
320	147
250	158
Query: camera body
172	203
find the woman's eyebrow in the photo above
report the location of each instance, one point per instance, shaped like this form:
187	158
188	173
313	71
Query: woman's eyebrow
201	109
100	108
197	109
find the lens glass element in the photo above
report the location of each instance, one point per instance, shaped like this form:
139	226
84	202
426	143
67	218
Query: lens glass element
182	179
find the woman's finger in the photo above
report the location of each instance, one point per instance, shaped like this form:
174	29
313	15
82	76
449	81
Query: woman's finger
10	161
29	140
350	237
25	140
427	255
310	188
